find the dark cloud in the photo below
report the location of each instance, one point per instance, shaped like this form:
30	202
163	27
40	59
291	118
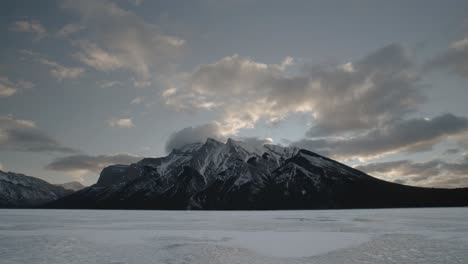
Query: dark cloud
88	163
23	135
452	151
413	135
380	88
197	134
458	168
434	173
455	59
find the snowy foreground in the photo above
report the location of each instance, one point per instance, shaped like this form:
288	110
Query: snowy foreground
339	236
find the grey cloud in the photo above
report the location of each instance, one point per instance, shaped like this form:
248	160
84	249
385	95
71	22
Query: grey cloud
31	26
452	151
69	29
23	135
404	167
88	163
455	59
197	134
136	2
9	88
434	173
380	88
458	168
256	142
57	70
119	39
413	135
321	146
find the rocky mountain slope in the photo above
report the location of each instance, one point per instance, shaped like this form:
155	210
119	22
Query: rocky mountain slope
239	176
18	190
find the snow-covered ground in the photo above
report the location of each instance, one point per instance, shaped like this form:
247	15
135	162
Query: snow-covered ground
437	235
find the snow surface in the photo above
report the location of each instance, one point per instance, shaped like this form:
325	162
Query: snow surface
438	235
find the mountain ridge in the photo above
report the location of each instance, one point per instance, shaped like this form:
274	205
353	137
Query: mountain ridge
238	176
22	191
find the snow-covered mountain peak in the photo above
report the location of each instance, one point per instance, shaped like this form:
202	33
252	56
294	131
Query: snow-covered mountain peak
212	141
189	148
327	164
19	190
240	175
285	152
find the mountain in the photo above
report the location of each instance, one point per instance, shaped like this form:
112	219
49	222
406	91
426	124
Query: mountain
18	190
239	176
73	186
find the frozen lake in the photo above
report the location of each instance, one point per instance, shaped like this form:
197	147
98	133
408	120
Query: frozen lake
437	235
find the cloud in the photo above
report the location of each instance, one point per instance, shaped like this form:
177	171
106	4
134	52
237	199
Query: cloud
2	168
60	72
136	2
119	39
69	29
31	26
376	90
9	88
109	84
57	70
454	59
82	164
24	135
462	141
122	122
97	58
380	88
141	84
138	100
452	151
6	91
412	135
256	142
434	173
197	134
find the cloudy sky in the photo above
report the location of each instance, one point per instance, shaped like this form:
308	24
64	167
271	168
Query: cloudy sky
378	85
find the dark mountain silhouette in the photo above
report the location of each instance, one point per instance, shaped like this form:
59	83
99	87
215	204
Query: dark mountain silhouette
238	176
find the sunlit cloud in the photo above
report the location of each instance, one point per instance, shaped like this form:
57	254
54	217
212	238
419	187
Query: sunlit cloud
121	122
9	87
431	173
380	88
123	40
